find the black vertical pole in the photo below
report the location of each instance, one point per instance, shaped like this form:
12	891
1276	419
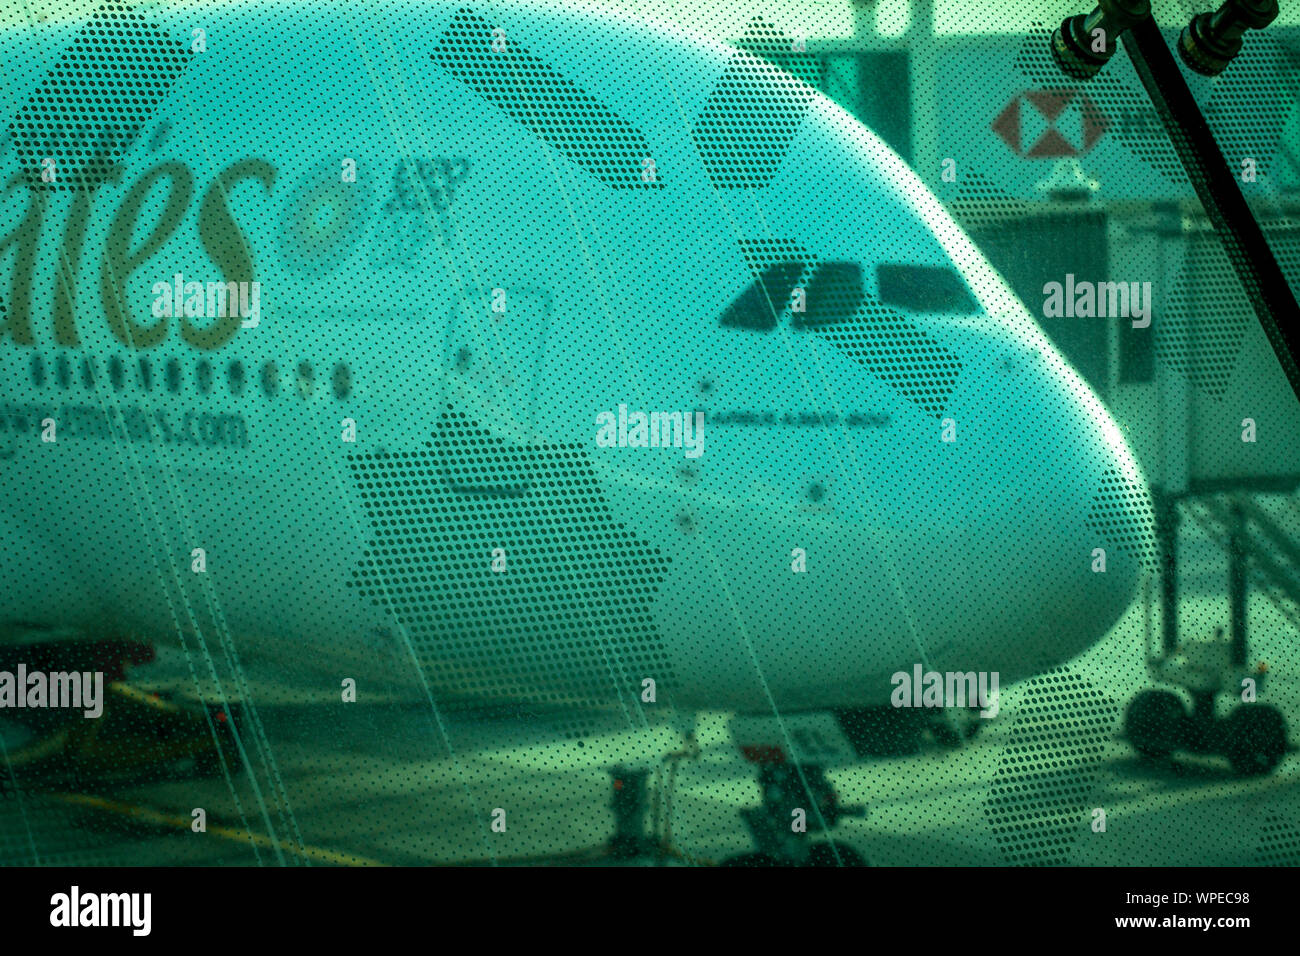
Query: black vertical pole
1217	187
1167	530
1237	559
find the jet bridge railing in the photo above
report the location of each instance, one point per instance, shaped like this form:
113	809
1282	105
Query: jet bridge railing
1272	554
1259	550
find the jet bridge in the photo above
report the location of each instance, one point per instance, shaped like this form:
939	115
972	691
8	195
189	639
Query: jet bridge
1065	175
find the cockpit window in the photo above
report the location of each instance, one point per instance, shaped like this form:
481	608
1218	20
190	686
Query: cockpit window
761	305
924	289
835	291
833	295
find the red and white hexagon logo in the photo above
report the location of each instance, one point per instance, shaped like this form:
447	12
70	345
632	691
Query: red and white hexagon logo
1050	123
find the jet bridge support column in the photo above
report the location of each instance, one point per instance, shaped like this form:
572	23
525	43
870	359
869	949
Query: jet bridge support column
1237	582
1167	531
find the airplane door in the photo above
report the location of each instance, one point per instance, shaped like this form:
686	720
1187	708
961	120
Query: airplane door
496	343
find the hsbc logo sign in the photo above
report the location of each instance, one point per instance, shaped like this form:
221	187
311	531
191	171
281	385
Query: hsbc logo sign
1047	124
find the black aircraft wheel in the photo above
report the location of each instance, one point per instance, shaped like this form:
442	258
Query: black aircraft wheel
1154	723
1255	739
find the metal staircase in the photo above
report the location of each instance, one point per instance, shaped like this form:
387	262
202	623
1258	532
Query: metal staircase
1273	556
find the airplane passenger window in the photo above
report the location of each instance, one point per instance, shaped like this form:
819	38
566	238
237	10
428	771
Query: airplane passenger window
306	379
342	381
925	289
38	371
146	374
235	375
270	378
203	376
115	372
173	373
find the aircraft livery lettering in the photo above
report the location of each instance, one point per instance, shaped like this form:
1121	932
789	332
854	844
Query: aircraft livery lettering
219	234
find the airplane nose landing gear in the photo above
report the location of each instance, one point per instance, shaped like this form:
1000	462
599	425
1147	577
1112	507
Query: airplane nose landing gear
774	824
1252	737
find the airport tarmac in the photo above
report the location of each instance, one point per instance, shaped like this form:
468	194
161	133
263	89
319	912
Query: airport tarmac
364	784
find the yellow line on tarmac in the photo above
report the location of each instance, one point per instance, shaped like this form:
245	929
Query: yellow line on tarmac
144	814
40	749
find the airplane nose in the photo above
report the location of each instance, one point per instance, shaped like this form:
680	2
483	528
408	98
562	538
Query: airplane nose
1119	510
1090	505
1040	526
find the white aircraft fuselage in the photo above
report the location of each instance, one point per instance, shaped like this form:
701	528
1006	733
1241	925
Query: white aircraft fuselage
463	240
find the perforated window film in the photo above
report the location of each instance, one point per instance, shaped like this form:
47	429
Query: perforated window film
543	433
924	289
89	108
